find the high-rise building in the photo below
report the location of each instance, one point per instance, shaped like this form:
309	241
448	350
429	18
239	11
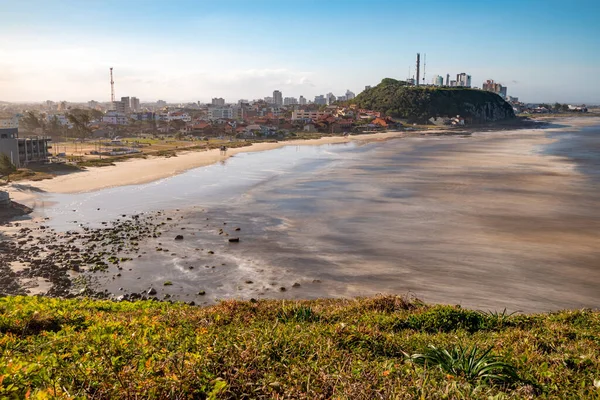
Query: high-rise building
302	101
268	100
463	80
350	95
161	103
447	79
288	101
438	81
123	106
135	104
491	86
218	101
320	100
330	98
277	98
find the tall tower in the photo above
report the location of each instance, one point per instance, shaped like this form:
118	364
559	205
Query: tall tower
447	79
418	68
112	87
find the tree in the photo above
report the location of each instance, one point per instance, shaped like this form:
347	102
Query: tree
6	167
31	122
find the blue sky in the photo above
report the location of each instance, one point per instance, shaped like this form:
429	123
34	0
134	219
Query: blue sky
195	50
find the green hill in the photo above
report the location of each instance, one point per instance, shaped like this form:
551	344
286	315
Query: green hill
419	103
371	348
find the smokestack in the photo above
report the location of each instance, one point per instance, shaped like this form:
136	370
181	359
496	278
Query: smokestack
418	68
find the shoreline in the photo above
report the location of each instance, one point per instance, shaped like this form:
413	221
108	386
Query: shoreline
141	171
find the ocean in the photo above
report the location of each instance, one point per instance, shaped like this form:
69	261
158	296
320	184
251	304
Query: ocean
491	220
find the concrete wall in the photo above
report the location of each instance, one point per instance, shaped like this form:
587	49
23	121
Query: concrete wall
10	147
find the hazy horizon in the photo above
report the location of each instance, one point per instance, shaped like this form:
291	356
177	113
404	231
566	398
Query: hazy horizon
193	51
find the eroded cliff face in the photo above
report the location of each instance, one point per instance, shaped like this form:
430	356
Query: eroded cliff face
489	111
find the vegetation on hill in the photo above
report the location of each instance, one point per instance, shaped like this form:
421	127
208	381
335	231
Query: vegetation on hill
382	347
419	103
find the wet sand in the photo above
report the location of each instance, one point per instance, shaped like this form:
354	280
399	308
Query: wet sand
139	171
488	221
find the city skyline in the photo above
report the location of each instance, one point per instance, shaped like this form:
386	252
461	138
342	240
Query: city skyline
542	51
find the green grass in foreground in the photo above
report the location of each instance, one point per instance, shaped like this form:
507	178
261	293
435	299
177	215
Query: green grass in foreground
373	348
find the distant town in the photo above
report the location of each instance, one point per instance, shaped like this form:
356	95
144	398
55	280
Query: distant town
26	130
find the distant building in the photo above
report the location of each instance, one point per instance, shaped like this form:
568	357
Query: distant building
218	101
447	79
235	112
268	100
350	95
161	103
491	86
135	104
302	101
277	98
438	80
92	104
367	87
330	98
123	106
288	101
463	80
308	115
320	100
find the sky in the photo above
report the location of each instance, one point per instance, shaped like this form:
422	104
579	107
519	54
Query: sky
194	50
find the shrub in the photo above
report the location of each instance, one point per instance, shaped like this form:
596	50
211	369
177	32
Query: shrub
471	364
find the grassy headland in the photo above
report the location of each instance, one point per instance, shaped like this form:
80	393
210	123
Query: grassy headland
382	347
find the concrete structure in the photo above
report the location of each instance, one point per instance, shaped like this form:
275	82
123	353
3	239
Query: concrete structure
350	95
418	68
218	101
161	103
302	101
268	100
114	118
320	100
123	106
235	112
438	81
308	115
21	151
288	101
447	79
135	104
330	98
463	80
93	104
277	98
367	87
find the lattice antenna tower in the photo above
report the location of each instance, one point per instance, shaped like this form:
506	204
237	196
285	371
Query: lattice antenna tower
112	86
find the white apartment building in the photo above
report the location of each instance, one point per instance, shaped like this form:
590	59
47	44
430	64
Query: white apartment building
115	118
226	113
463	80
308	114
350	95
302	101
288	101
320	100
218	101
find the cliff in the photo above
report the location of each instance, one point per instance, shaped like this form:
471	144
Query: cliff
419	103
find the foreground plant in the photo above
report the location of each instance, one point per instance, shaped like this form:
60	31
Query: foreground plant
471	364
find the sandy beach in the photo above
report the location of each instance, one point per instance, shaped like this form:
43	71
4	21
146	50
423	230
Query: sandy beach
139	171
